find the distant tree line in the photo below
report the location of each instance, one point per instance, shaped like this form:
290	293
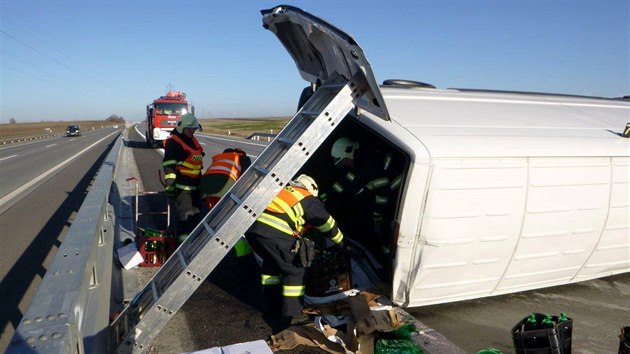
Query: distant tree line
115	119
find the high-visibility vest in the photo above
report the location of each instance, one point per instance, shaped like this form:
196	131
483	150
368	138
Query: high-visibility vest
286	202
227	163
193	164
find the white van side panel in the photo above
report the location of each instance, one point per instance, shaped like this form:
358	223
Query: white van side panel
566	209
612	253
469	229
500	225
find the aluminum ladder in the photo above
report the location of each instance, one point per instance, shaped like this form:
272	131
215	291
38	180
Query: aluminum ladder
150	310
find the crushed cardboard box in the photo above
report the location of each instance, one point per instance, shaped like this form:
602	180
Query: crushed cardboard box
344	326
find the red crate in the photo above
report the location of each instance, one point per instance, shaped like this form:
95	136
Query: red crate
155	250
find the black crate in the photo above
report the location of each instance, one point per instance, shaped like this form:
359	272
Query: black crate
330	272
556	340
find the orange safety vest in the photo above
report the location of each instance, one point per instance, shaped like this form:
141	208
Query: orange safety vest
193	164
289	196
227	163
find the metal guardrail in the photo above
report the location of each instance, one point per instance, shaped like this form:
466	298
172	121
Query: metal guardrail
11	140
70	311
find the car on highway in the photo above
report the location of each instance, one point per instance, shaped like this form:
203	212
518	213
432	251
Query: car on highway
73	130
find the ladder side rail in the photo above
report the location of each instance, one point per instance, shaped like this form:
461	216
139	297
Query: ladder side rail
207	258
230	226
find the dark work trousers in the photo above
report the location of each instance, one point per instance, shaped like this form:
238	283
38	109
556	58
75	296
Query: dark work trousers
187	213
275	250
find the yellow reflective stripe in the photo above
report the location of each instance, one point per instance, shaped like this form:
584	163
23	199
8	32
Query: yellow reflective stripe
337	238
266	279
350	176
293	290
379	182
192	173
380	200
169	162
190	165
185	187
286	208
330	223
337	187
170	176
276	223
396	182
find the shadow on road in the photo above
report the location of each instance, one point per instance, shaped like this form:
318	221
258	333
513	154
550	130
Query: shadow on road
30	265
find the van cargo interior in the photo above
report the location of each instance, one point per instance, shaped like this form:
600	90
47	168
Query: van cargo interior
354	216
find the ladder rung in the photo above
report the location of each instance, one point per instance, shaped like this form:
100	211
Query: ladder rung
236	199
286	141
182	260
155	292
313	114
261	169
208	228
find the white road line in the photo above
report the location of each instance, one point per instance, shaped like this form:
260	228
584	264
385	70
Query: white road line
8	157
202	143
21	190
50	145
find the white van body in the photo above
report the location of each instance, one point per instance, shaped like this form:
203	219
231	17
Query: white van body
506	191
502	191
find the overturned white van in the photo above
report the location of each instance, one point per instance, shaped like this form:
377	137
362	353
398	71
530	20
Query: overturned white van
502	191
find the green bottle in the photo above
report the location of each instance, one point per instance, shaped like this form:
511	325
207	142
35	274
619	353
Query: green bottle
546	322
563	317
530	324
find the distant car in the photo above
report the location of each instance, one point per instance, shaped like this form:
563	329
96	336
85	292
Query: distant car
73	130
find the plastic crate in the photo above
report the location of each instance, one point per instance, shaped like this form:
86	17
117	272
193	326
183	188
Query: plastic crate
329	273
155	250
556	340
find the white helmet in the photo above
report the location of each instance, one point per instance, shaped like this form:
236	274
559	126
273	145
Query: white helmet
187	120
344	148
309	183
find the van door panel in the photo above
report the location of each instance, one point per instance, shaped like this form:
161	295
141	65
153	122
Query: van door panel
470	227
567	205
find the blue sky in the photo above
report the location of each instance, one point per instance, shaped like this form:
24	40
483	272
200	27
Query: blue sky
87	60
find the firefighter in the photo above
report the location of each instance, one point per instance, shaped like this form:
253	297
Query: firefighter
220	176
183	163
273	236
360	194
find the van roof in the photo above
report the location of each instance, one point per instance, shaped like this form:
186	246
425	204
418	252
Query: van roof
478	123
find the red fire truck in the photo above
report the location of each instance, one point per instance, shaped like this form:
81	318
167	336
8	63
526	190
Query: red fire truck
163	114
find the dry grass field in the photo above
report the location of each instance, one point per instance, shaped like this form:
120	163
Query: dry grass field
223	126
243	126
46	128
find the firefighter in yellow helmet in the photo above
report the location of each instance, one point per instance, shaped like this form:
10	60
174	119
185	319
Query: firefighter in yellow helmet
182	164
272	237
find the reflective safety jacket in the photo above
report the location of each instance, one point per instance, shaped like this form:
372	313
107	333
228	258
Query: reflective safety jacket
227	163
183	161
291	210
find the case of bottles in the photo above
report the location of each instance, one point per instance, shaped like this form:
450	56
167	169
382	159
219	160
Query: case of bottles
547	334
155	247
330	272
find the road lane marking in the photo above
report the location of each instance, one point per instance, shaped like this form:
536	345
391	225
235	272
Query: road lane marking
8	157
20	191
202	143
50	145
